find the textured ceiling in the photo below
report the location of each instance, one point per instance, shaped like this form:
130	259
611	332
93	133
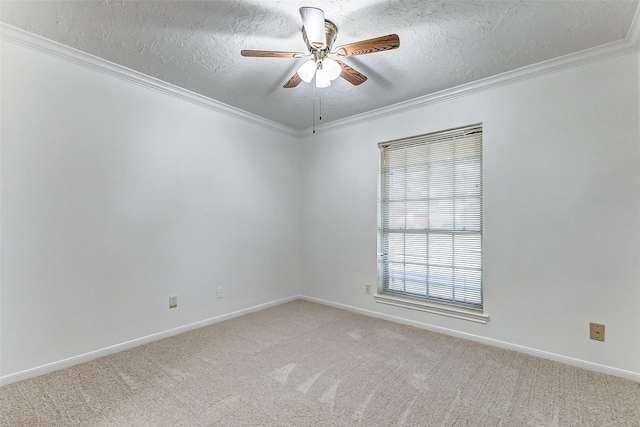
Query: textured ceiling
196	44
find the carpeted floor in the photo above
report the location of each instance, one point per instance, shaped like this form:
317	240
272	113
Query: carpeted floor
304	364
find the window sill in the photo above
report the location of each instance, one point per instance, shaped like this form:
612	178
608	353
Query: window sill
430	307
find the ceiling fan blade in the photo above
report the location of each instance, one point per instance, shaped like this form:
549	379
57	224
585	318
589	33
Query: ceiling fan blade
313	23
271	54
388	42
293	81
352	76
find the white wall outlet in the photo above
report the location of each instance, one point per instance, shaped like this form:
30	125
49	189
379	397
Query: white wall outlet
367	288
173	301
219	294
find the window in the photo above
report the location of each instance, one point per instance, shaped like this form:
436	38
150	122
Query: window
430	219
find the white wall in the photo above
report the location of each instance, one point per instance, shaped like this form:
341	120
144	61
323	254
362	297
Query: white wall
561	211
115	196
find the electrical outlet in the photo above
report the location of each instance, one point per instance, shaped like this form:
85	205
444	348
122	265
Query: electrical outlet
173	302
596	331
367	288
219	294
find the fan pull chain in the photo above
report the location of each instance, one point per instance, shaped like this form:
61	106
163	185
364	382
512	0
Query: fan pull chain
313	100
320	97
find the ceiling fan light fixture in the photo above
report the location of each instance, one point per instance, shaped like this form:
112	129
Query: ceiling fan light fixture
322	79
307	70
319	34
331	68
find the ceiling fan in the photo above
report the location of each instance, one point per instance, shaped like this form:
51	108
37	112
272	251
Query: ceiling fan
319	35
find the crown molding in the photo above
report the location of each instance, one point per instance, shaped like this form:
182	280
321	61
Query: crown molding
622	47
9	33
24	38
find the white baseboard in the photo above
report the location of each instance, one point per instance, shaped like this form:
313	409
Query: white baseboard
633	376
65	363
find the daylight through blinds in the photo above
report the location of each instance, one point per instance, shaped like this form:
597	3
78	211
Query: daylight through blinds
430	218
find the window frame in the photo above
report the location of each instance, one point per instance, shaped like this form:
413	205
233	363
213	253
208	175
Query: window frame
474	310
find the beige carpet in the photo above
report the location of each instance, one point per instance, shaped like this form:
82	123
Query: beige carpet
304	364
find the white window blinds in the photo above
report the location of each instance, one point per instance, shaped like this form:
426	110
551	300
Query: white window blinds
430	217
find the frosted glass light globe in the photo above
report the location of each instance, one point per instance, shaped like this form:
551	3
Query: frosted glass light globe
307	70
322	78
331	68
